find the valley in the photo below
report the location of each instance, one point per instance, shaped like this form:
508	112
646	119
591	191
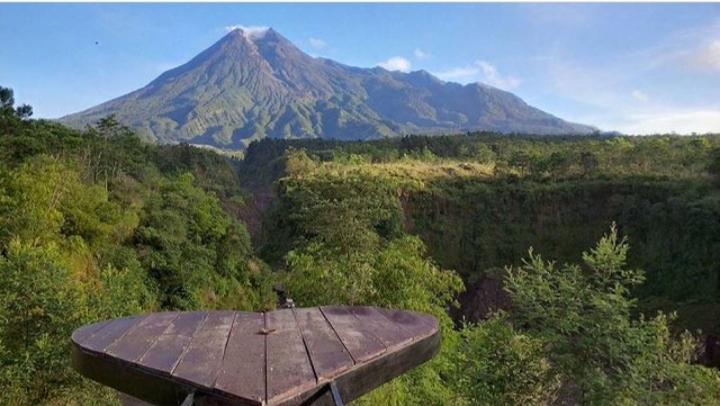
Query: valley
477	215
492	234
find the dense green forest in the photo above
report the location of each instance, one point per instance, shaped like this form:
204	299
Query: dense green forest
96	224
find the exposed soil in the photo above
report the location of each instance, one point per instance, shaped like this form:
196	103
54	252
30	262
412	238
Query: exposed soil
480	299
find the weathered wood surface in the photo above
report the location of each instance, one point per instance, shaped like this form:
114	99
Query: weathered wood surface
284	357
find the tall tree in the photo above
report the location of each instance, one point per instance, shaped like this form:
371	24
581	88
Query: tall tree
601	354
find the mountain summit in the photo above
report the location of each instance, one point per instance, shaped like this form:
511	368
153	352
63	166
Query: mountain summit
255	84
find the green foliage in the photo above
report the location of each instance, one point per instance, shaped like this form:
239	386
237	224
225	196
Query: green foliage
602	355
392	274
43	301
38	310
349	248
188	244
541	157
12	118
341	214
497	365
473	225
32	197
118	293
212	172
472	220
83	215
582	343
297	162
571	339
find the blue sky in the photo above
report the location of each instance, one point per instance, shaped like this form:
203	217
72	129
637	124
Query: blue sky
639	68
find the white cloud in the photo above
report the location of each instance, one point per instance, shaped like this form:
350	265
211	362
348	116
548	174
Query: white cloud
481	70
317	43
695	47
664	122
462	74
703	57
598	95
707	57
639	96
420	54
254	31
493	77
396	63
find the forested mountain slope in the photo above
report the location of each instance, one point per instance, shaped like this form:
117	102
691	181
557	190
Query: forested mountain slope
248	86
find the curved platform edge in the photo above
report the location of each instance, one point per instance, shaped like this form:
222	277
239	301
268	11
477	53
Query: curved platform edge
154	389
362	379
162	390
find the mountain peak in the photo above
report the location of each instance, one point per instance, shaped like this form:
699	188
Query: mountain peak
265	38
254	83
252	33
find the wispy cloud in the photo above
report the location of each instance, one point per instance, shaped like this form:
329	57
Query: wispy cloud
317	43
700	121
253	31
464	74
639	96
599	96
396	63
707	57
480	70
696	48
420	54
602	92
493	77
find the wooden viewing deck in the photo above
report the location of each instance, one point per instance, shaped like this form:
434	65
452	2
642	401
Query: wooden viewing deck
283	357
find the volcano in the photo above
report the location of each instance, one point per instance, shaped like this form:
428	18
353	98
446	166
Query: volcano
251	85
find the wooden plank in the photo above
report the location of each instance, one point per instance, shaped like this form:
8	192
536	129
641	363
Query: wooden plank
361	344
391	334
242	372
81	334
289	371
109	333
164	354
363	378
409	321
134	381
222	354
200	363
427	319
139	339
328	355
